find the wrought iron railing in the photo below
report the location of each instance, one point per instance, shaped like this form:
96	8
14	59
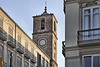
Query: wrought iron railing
90	35
19	46
27	52
11	41
33	58
63	48
10	38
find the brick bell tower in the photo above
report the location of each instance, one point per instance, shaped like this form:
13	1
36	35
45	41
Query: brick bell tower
45	35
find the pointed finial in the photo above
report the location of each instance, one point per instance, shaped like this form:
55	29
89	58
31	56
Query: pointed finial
45	10
45	3
45	7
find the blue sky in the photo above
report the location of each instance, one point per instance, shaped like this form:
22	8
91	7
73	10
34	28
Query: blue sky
21	11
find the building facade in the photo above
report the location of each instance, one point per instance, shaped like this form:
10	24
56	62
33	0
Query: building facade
17	49
45	35
81	47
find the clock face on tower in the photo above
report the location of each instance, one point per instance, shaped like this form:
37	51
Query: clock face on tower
42	42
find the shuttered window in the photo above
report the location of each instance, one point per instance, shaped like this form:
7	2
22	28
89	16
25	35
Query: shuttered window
32	50
11	30
1	52
26	44
1	21
19	38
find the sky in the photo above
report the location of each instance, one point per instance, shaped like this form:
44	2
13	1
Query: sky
21	11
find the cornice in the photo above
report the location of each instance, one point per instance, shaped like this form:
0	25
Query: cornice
45	32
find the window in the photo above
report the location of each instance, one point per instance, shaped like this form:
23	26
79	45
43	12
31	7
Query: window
46	63
10	59
55	45
32	65
43	62
26	44
1	52
1	21
91	17
32	50
19	38
91	20
91	61
54	55
26	64
38	60
54	26
19	62
11	30
42	24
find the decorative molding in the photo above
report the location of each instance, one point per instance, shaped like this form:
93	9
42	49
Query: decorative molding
87	3
91	3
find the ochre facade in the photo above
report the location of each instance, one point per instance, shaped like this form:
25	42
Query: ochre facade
16	47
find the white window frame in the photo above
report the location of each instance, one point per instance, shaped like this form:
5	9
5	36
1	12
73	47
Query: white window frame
92	55
91	15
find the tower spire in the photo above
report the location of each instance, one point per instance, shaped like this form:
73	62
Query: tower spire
45	7
45	10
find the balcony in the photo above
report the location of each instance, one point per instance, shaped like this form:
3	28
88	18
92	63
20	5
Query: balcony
3	35
33	58
11	41
27	54
89	37
63	48
20	48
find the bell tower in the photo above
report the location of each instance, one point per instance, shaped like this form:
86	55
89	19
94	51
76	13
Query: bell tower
45	34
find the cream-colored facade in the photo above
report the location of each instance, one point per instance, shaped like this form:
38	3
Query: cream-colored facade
17	49
81	47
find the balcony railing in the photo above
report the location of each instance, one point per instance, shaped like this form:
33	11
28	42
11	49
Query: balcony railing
63	48
90	36
11	41
33	58
27	53
20	48
3	34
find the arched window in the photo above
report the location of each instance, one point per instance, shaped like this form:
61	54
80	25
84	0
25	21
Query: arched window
54	26
42	24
